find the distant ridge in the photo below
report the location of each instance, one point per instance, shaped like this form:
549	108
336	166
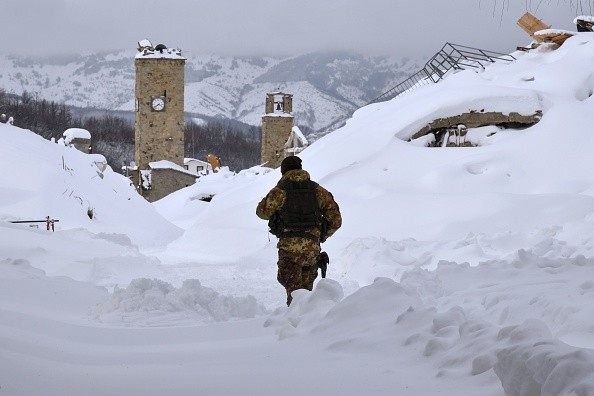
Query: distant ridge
327	86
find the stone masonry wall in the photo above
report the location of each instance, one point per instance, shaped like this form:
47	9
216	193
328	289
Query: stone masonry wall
275	133
164	182
81	144
159	135
477	119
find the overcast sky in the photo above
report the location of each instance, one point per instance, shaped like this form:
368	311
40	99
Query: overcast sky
245	27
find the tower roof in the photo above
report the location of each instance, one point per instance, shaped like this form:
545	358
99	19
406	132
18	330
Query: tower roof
147	51
279	93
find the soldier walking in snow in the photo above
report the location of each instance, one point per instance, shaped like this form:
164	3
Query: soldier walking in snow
302	214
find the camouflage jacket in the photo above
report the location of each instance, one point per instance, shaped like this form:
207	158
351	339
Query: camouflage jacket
275	199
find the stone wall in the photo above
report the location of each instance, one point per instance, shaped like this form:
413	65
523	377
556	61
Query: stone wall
275	133
478	119
159	135
287	102
81	144
163	182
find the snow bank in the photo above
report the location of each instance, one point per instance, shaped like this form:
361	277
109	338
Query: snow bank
472	322
152	302
542	367
72	187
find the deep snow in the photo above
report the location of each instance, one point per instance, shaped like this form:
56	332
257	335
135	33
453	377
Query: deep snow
457	270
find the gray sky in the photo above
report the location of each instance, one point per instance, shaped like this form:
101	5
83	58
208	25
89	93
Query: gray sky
244	27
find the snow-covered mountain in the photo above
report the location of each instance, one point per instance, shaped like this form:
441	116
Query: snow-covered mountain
327	87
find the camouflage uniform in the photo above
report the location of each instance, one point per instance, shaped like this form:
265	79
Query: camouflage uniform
297	256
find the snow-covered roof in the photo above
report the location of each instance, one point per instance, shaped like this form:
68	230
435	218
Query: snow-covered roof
587	18
164	164
296	141
75	133
166	54
190	160
147	51
279	114
299	135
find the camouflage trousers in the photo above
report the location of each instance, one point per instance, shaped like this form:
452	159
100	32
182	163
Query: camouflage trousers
297	270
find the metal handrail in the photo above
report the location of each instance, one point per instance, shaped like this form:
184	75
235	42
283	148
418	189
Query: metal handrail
449	57
403	86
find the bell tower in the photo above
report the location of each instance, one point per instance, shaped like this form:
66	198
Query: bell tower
277	123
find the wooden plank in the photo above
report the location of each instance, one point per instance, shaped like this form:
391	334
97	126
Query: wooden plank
557	37
531	24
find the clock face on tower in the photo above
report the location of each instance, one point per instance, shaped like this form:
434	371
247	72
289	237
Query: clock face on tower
158	103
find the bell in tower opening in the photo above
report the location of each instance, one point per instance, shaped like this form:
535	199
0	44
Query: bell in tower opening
279	136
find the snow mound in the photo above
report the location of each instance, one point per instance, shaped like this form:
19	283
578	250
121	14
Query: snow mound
152	302
546	367
18	268
75	188
440	314
306	309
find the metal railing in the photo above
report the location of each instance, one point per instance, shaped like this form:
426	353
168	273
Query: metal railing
449	57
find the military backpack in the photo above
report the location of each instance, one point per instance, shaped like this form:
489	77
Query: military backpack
299	212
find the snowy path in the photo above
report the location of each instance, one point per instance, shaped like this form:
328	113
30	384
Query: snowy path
72	354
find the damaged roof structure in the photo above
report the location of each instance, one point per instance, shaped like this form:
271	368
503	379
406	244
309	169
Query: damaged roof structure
514	110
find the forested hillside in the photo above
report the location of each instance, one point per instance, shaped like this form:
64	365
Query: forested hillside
113	136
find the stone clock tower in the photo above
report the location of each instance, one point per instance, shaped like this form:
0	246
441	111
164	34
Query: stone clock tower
159	123
277	124
159	120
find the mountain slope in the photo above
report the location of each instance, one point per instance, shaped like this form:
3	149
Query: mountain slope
328	87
